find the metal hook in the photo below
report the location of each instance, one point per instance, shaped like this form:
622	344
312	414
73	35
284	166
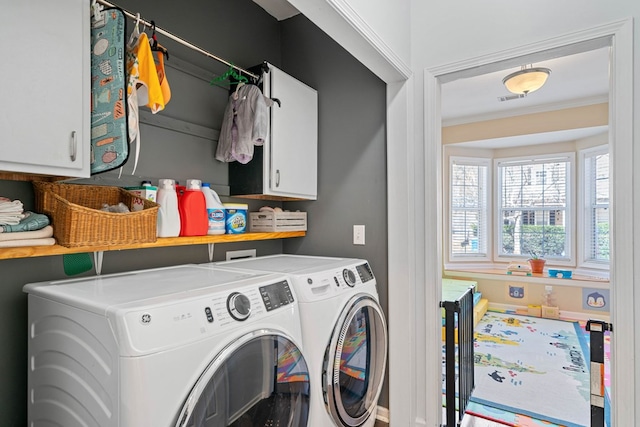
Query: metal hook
96	8
97	262
210	247
138	22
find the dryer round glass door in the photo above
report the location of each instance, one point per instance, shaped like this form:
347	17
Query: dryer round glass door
355	362
260	379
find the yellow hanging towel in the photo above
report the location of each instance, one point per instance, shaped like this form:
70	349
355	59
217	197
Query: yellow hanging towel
162	78
142	70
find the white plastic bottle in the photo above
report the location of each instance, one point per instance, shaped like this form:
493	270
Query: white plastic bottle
215	210
168	214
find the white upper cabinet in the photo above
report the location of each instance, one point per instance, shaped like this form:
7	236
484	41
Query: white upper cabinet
45	87
294	137
286	167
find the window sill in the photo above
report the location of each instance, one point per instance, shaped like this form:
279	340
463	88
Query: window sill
577	280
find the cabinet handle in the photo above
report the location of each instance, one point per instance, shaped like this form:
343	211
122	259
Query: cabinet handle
73	146
277	177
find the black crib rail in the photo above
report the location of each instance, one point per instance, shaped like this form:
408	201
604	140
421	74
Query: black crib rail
462	311
597	330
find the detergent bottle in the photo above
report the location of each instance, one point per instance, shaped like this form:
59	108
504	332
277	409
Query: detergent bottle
193	210
168	215
215	210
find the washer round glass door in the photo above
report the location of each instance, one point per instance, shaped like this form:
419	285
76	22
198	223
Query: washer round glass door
355	362
260	379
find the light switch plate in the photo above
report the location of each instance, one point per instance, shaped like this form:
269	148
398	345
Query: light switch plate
358	234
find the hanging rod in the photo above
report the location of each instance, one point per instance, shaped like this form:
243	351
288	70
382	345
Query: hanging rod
180	40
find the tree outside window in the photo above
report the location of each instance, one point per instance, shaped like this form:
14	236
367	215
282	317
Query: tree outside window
533	211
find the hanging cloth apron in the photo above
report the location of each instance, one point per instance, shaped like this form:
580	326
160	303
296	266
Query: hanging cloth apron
109	147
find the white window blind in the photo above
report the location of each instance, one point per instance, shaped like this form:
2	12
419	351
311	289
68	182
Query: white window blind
534	207
468	208
596	194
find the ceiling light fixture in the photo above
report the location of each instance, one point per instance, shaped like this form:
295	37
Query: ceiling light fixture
526	80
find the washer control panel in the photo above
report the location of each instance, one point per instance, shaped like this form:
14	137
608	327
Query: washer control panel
276	295
236	306
212	302
239	306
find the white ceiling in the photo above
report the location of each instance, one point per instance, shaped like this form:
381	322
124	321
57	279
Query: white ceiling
575	80
279	9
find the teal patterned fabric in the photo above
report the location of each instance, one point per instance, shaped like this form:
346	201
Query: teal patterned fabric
109	145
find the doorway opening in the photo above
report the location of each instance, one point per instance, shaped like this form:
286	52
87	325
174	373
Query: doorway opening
618	36
514	176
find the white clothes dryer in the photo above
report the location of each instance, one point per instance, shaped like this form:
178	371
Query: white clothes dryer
344	333
177	346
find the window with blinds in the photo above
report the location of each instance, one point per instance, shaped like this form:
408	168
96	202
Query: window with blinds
534	207
596	206
468	208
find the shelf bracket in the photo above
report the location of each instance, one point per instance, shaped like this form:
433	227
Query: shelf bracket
97	262
210	247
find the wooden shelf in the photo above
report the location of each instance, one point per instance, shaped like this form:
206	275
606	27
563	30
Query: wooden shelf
36	251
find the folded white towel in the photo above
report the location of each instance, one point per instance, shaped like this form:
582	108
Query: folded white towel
8	206
21	235
47	241
10	219
11	212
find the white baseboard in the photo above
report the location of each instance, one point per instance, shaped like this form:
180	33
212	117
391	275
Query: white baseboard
574	315
382	414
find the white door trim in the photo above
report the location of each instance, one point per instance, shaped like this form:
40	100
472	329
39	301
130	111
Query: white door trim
622	207
402	245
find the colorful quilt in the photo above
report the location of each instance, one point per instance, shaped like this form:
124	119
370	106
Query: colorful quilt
354	355
534	367
291	365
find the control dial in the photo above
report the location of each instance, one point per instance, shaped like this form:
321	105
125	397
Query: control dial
239	306
349	277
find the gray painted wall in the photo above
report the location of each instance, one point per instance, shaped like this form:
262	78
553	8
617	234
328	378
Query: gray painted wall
352	184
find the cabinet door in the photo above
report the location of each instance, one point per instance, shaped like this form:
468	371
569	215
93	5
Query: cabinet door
294	138
44	81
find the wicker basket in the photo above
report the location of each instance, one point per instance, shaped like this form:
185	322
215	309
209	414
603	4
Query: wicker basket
78	221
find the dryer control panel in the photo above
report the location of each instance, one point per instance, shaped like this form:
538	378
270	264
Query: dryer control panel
365	273
329	283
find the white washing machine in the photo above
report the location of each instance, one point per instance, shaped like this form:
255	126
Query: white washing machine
178	346
344	333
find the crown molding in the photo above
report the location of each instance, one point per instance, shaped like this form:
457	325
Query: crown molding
366	32
342	23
